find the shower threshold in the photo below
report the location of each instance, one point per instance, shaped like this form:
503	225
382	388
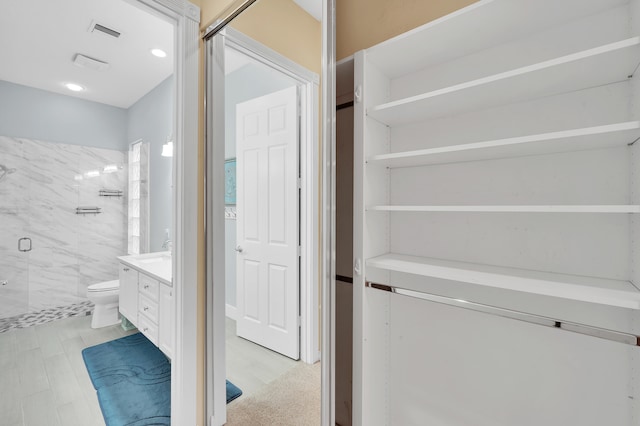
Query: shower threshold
45	316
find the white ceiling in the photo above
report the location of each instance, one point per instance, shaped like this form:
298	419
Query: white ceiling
39	39
312	7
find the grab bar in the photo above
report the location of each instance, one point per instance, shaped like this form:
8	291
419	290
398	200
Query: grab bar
587	330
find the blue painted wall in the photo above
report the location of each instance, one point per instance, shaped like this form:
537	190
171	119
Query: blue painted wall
151	119
31	113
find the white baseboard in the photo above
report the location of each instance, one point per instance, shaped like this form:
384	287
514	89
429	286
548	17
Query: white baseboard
231	311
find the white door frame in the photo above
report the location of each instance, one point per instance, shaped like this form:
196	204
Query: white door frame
186	20
309	163
328	146
310	235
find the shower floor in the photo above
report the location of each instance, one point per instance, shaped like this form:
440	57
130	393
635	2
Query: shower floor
45	316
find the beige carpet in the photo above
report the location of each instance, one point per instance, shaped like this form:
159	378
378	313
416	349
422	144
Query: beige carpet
291	400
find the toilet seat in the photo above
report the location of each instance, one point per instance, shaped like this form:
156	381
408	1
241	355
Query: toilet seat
104	286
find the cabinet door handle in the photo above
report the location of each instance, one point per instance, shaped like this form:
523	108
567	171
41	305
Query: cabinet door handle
145	329
146	286
125	269
146	308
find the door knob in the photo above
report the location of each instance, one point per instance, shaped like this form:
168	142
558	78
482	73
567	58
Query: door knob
239	249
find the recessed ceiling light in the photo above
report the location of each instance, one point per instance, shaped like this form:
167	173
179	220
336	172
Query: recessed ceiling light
74	87
159	53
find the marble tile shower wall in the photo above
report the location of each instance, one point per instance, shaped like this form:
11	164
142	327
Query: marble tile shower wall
38	200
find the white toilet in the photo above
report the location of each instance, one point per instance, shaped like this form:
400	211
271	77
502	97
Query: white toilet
105	297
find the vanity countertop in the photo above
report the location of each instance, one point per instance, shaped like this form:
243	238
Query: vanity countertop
157	265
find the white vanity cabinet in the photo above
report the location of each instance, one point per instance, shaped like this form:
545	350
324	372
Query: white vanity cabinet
166	321
148	312
146	298
128	292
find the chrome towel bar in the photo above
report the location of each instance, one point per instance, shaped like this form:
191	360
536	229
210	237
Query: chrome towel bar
588	330
110	193
88	210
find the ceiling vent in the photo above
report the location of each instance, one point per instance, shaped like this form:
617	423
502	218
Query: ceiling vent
89	62
103	29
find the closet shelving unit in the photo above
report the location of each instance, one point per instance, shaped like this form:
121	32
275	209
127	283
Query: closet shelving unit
613	135
495	162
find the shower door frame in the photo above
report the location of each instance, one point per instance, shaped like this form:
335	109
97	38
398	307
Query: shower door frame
22	262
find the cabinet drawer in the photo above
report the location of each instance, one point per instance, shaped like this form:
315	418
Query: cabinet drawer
148	308
148	287
148	328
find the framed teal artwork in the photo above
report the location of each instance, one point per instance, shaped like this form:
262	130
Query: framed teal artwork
230	181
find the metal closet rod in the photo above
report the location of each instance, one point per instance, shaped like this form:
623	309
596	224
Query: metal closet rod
588	330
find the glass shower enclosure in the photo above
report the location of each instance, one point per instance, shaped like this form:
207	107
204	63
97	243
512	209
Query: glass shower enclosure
63	221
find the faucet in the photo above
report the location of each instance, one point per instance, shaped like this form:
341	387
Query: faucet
167	245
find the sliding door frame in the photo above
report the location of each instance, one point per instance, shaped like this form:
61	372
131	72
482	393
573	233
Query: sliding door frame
324	247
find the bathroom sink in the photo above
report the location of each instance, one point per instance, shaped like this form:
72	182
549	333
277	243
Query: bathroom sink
158	264
156	259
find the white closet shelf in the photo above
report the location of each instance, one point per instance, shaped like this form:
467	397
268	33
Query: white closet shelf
477	27
512	208
606	136
601	65
615	293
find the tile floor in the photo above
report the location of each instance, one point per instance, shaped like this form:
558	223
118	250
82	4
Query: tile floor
43	379
250	366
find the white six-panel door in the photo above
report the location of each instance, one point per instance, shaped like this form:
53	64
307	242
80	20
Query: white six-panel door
267	221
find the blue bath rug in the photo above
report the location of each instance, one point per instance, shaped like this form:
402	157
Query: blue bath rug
133	380
233	392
